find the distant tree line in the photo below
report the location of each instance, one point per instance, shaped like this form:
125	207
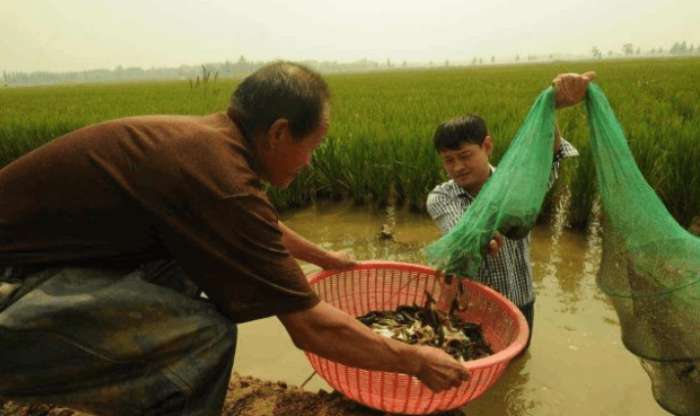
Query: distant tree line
242	67
229	69
629	50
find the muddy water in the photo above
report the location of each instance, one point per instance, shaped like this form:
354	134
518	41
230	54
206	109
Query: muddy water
576	364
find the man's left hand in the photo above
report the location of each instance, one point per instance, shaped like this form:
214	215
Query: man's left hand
571	88
495	244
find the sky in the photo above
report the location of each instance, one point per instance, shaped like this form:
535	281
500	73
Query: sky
71	35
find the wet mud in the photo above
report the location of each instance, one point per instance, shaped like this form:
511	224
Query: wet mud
247	396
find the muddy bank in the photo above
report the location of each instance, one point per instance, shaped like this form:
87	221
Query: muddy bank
247	396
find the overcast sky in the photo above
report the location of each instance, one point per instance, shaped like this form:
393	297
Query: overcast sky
85	34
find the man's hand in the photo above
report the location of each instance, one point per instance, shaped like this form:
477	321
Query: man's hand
495	244
338	260
319	328
439	370
571	88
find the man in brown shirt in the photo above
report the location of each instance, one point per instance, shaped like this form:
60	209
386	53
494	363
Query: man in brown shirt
108	234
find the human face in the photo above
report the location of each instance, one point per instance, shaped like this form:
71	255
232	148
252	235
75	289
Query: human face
285	157
468	165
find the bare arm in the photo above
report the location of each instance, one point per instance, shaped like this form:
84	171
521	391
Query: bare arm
303	249
335	335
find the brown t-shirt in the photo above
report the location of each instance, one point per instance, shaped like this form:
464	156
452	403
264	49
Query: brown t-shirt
119	193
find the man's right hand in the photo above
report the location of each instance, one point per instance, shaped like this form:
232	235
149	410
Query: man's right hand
438	369
335	335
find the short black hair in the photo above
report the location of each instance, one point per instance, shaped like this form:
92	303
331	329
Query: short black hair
279	90
450	134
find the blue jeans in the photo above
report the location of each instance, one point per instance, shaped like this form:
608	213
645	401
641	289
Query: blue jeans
113	342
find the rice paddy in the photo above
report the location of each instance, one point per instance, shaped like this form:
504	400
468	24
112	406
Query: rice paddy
379	148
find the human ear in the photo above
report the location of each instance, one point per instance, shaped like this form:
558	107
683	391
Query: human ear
278	131
487	145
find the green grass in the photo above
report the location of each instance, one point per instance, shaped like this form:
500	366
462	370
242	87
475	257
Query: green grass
379	148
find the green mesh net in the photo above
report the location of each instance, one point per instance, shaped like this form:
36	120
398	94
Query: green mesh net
509	201
650	265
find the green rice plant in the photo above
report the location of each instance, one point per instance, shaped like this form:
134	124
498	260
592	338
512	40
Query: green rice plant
379	149
582	189
681	189
418	170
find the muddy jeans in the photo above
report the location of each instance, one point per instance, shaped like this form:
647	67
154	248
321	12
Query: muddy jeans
109	342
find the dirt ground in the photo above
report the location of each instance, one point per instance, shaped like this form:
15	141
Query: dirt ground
247	396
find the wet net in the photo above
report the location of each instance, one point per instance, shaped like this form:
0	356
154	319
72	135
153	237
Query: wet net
650	265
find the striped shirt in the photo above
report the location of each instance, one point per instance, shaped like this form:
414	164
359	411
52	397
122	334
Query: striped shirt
509	271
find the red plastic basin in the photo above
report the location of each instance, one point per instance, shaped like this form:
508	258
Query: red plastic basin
382	285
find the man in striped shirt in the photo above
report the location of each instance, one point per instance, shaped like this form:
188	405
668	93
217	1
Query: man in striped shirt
465	146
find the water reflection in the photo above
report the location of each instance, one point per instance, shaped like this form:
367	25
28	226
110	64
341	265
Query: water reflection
510	396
